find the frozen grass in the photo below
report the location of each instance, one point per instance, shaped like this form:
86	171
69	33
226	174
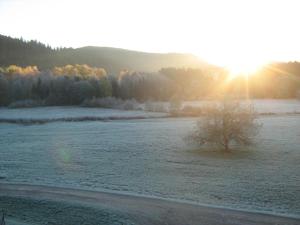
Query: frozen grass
264	106
66	112
149	157
54	205
41	115
31	211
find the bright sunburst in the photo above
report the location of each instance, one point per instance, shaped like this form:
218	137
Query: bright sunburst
244	67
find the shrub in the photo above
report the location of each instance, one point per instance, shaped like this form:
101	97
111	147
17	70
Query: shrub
155	107
226	123
113	103
28	103
192	111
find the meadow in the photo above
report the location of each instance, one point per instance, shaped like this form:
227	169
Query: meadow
149	156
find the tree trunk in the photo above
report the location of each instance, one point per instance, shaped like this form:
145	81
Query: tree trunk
226	144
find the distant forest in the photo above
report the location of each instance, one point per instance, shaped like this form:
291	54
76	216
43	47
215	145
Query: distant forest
24	53
65	83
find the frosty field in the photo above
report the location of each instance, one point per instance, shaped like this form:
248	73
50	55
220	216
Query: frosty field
273	106
149	157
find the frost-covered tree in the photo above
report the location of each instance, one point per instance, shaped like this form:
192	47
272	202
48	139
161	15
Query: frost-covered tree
80	91
226	123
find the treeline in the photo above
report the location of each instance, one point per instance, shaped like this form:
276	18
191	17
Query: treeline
72	84
68	85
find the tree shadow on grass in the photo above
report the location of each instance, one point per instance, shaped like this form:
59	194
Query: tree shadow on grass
217	152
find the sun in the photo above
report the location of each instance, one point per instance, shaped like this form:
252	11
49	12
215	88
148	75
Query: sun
243	68
240	62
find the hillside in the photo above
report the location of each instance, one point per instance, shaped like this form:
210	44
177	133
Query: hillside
23	53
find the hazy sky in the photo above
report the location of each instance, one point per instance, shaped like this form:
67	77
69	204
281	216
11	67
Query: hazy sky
226	32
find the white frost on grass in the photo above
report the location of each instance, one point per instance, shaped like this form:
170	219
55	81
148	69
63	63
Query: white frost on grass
149	157
263	106
266	106
70	112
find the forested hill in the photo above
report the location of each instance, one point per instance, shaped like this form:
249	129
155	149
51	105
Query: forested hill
23	53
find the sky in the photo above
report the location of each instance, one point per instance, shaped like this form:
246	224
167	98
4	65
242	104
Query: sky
233	33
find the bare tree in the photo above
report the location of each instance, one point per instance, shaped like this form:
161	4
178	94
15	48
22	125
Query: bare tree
226	123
